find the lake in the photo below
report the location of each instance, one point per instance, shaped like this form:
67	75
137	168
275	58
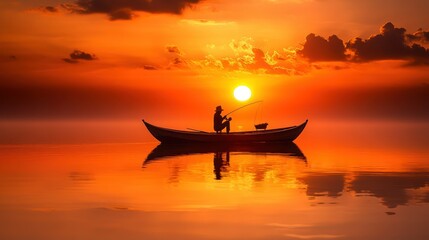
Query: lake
339	180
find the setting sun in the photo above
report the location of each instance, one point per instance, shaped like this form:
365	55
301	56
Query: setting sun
242	93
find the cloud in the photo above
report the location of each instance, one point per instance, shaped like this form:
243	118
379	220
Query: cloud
253	59
245	57
206	22
242	46
68	60
317	48
178	62
259	61
50	9
390	43
149	67
419	36
263	62
173	49
124	10
177	58
77	55
121	14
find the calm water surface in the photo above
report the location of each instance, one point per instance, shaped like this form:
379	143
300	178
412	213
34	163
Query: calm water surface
342	182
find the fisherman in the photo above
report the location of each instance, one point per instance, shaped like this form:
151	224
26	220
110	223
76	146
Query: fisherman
218	123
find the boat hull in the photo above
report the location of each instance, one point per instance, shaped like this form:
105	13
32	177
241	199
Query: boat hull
166	135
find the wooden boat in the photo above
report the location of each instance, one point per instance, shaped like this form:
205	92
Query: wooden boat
166	135
164	150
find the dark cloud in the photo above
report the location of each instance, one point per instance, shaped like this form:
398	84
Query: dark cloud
50	9
149	67
121	14
77	55
47	9
68	60
178	61
317	48
123	10
390	44
417	63
173	49
419	36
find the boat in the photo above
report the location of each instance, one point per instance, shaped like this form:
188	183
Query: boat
167	135
165	150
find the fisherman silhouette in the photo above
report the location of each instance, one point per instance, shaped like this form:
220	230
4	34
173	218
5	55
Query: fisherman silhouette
218	123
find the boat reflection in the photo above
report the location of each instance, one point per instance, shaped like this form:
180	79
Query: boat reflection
170	150
222	152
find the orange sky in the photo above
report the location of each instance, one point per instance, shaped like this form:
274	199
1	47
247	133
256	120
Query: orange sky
110	59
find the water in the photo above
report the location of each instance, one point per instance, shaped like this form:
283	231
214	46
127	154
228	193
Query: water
340	181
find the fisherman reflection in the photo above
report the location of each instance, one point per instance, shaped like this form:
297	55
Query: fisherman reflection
220	164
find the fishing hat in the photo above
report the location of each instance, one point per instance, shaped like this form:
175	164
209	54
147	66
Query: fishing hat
219	108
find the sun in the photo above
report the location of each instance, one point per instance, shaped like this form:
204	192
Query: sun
242	93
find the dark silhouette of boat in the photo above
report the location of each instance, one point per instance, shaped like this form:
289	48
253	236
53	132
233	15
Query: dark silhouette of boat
166	135
164	150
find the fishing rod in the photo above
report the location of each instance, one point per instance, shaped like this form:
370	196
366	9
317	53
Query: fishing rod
243	107
196	130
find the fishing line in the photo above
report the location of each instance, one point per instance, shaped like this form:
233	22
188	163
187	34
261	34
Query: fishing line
259	109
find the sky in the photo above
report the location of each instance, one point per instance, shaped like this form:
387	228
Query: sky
176	60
